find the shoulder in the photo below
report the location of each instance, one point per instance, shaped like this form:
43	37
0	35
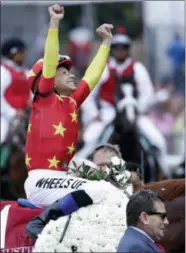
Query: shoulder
6	76
27	72
141	70
131	243
4	70
139	66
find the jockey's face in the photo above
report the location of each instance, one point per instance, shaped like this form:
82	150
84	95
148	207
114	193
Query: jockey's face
19	58
120	52
64	81
156	224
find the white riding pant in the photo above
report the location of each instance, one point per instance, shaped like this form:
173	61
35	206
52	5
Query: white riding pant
4	128
94	130
157	139
44	187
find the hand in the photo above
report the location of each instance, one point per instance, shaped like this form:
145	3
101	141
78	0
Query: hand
56	12
104	31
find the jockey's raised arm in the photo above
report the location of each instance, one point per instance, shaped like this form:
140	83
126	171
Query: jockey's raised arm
97	66
91	102
50	57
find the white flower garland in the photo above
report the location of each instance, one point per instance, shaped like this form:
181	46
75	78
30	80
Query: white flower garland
96	228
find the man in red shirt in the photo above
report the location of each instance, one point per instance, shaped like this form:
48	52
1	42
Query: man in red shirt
53	127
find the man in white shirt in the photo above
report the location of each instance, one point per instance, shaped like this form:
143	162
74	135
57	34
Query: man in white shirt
99	109
15	93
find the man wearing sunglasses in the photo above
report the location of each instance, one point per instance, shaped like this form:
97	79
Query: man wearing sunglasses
146	221
121	68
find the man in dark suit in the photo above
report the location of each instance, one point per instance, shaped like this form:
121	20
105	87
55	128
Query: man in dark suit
146	221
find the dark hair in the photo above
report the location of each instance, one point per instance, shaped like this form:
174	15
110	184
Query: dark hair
12	46
141	201
106	147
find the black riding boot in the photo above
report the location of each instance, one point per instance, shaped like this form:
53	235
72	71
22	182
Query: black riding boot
64	206
36	225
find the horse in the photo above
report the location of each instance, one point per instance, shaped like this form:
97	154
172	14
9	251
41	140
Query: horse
123	131
13	168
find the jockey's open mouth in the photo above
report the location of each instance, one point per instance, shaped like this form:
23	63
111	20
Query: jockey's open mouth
72	81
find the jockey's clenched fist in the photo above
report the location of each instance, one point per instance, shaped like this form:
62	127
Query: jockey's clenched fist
104	31
56	12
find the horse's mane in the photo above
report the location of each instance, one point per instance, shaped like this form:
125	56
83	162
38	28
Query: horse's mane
168	189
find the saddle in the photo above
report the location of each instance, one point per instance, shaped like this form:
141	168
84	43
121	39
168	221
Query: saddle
15	216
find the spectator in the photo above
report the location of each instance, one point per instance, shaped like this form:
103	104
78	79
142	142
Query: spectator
176	53
146	221
15	93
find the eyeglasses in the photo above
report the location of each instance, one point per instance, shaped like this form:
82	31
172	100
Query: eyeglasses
162	215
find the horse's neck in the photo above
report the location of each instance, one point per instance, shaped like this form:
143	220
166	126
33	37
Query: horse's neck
137	186
169	189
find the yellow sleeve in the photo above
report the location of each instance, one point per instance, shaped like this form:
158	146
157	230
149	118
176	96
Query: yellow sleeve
51	54
96	68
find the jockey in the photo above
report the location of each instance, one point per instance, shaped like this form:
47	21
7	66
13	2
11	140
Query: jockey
15	92
53	128
121	66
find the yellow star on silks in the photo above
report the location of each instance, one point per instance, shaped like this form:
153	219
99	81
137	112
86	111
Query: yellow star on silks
31	73
59	129
29	128
71	149
27	160
74	116
53	162
59	98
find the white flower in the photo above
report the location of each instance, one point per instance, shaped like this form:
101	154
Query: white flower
127	175
122	162
115	160
96	228
106	171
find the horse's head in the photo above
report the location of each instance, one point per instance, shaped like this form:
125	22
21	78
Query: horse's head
126	106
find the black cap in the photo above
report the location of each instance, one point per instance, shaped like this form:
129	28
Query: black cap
12	46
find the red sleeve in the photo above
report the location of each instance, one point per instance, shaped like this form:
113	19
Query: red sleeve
81	93
45	94
45	85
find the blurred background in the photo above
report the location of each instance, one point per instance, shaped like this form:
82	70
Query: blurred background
154	28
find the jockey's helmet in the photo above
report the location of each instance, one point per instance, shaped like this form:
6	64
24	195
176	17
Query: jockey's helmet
121	38
12	46
36	71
